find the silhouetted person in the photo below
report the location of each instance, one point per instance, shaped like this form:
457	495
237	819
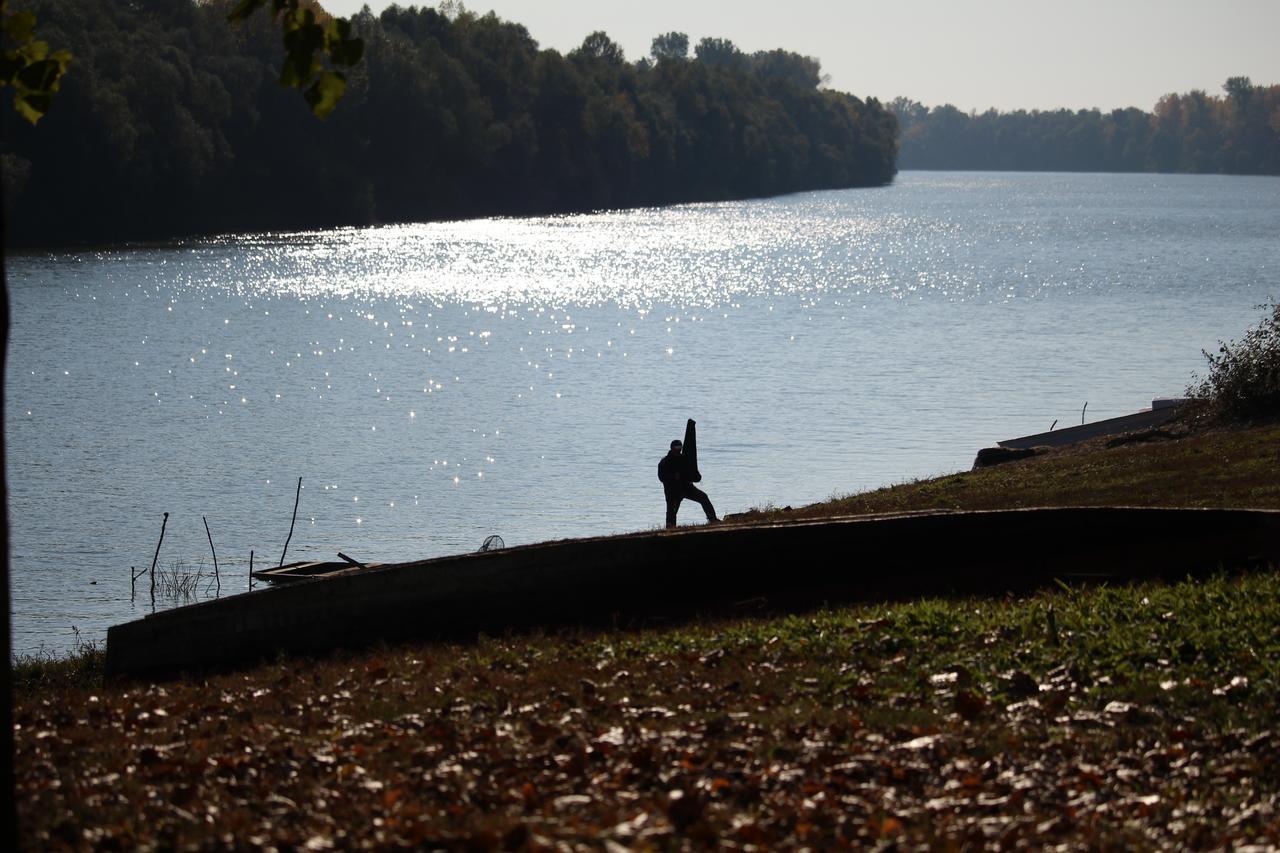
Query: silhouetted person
675	484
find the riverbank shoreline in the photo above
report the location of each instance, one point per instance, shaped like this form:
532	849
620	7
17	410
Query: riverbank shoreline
805	370
715	569
1220	467
1114	714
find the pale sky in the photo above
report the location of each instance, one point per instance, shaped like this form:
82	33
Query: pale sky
975	54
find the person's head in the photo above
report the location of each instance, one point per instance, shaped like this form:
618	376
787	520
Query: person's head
676	447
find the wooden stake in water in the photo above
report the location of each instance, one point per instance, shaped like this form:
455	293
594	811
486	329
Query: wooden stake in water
1086	405
134	574
163	525
217	577
250	570
296	498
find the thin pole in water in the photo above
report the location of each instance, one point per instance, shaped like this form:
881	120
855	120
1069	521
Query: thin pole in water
296	498
217	577
163	525
250	569
1086	405
134	574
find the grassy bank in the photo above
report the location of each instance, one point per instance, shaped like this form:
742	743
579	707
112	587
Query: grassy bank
1222	467
1133	716
1136	716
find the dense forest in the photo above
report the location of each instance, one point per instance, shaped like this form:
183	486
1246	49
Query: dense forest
1238	133
170	122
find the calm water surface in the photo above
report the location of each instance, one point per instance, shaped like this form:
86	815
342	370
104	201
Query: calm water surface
434	384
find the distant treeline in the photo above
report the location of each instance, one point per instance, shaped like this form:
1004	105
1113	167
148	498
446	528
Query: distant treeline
170	122
1238	133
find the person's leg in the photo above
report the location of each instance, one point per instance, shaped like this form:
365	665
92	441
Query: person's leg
673	505
694	493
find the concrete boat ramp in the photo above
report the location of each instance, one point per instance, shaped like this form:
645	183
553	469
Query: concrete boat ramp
642	577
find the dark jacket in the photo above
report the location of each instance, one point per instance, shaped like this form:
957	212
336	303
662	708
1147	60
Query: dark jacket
671	472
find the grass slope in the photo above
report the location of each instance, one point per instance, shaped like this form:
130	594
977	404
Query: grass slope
1224	468
1138	716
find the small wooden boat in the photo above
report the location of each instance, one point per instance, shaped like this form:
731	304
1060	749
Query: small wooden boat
291	572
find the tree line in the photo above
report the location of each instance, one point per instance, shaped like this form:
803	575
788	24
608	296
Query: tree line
1237	132
170	122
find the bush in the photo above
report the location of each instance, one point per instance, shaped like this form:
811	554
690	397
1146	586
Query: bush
44	673
1244	376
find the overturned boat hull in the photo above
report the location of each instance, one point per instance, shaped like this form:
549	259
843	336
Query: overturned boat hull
635	578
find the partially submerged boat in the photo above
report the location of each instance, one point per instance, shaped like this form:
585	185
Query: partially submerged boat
310	569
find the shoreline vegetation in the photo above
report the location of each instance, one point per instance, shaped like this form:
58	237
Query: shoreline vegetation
170	123
1231	466
1236	133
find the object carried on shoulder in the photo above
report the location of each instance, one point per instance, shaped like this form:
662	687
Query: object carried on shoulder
690	452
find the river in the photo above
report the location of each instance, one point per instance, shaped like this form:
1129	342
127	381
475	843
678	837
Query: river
435	384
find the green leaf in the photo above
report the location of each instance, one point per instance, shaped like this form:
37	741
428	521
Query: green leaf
20	26
306	42
32	107
299	19
29	66
306	37
40	77
303	39
324	94
339	29
341	47
298	68
34	51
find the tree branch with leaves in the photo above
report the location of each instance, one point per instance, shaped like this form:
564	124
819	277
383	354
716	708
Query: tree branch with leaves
314	46
28	65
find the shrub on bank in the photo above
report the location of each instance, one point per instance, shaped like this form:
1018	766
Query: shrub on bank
1244	376
42	674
